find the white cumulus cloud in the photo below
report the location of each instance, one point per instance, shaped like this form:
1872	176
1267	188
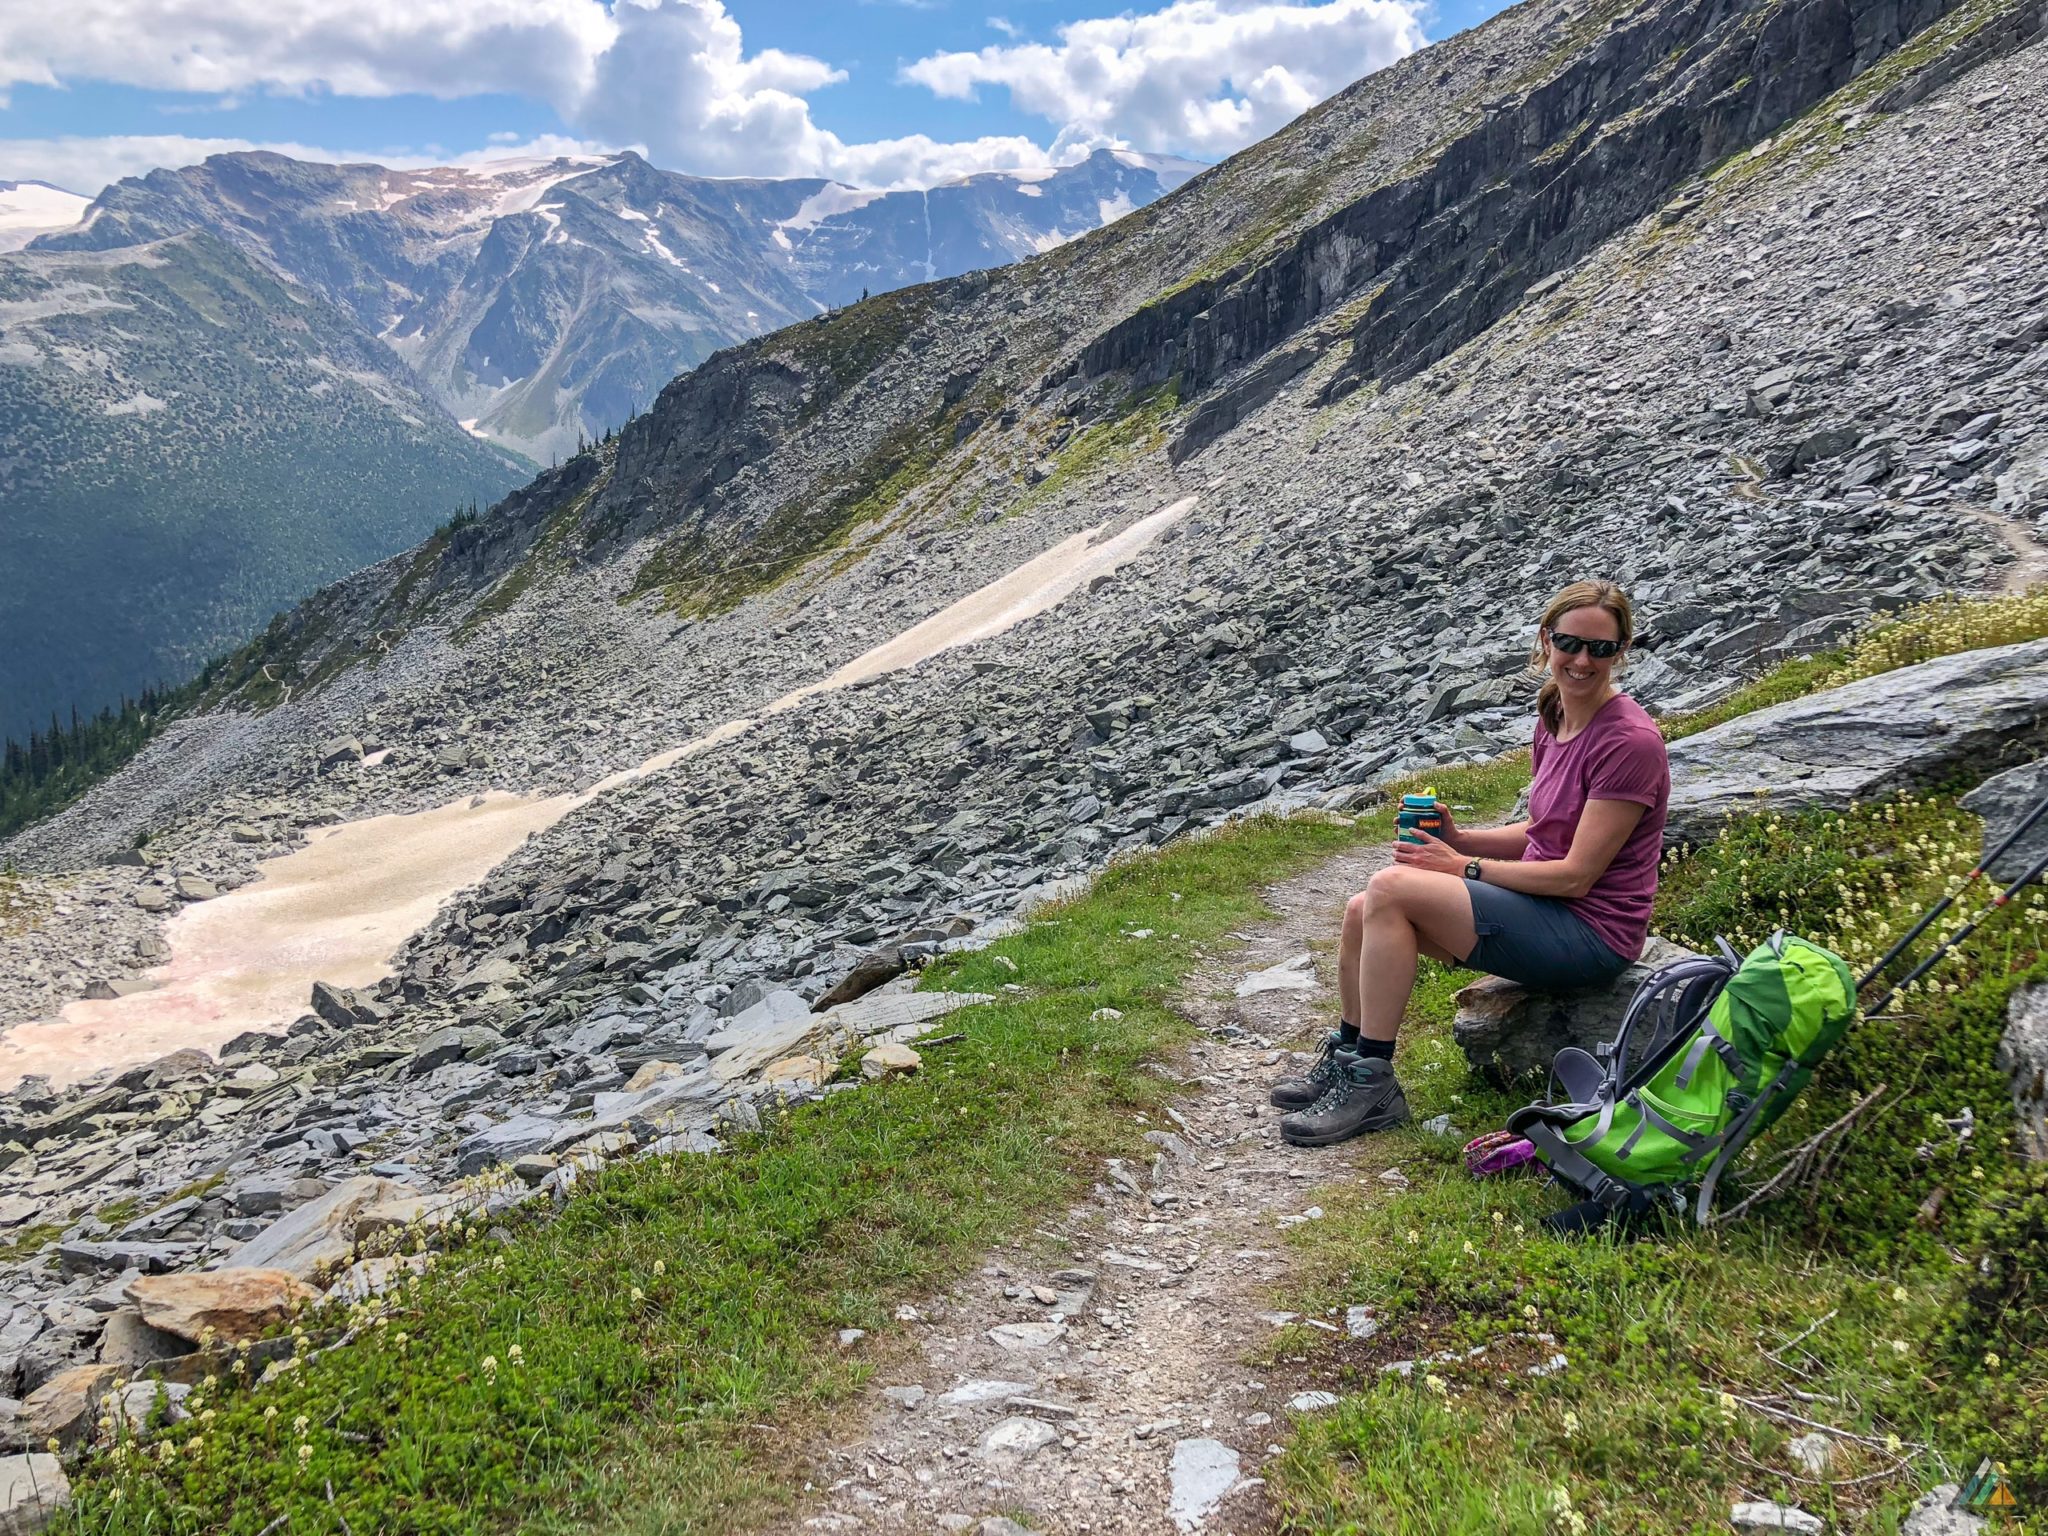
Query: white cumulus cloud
1202	77
445	48
678	83
674	79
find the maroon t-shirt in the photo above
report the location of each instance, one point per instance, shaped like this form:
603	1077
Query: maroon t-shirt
1618	756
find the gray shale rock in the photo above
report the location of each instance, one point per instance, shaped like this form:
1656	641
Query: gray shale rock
33	1493
1511	1034
2004	800
1914	726
2023	1057
505	1142
455	1043
1932	1515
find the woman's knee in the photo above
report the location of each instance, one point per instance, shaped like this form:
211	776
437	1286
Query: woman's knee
1355	910
1385	891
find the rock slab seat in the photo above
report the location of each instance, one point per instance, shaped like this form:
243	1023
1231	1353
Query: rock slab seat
1510	1034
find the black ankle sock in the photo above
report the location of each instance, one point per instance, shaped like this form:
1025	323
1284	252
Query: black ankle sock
1382	1049
1347	1033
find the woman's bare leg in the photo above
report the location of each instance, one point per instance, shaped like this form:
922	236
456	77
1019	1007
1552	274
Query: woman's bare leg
1401	913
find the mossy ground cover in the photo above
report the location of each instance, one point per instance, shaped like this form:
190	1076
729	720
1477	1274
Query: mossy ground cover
1134	427
548	554
848	343
698	574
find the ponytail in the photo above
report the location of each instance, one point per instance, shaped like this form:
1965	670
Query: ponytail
1580	594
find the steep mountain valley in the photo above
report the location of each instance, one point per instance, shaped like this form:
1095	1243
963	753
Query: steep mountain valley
1744	306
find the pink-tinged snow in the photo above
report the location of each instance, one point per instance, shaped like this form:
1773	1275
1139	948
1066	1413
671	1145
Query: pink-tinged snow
338	908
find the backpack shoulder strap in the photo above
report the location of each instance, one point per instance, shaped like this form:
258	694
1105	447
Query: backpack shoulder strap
1669	1001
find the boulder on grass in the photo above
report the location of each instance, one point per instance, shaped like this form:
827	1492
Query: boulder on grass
236	1304
1917	725
2023	1057
1510	1033
2004	800
890	1061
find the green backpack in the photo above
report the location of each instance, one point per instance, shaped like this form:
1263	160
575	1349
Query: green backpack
1711	1051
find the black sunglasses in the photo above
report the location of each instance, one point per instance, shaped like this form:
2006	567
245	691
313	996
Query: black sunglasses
1571	645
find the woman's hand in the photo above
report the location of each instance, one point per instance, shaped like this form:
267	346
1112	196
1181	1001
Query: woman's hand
1431	853
1450	828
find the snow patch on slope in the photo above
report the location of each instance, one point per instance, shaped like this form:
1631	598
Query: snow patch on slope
141	403
833	198
31	208
658	247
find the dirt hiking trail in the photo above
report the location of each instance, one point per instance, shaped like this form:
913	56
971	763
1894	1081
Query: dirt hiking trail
1107	1389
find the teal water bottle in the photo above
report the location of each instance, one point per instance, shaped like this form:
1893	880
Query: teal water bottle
1419	813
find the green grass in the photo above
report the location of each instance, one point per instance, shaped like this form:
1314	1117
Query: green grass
547	554
1790	679
1889	641
28	1242
117	1213
198	1187
1137	426
700	573
846	344
1822	127
638	1401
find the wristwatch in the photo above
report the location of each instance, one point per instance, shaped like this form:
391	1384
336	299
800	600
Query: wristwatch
1472	870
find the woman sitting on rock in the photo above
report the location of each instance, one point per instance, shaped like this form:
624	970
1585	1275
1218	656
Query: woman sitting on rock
1561	900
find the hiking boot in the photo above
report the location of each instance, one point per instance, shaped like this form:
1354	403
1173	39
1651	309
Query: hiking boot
1364	1096
1300	1092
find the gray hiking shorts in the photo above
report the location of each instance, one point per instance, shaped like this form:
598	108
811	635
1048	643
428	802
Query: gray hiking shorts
1538	941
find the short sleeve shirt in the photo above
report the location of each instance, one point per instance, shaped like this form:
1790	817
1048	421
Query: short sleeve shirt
1618	756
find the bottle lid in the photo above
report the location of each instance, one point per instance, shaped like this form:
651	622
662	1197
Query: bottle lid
1424	802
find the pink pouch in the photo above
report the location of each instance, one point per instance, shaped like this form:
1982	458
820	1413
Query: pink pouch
1497	1152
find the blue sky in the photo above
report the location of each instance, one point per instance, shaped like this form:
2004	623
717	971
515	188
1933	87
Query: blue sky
882	92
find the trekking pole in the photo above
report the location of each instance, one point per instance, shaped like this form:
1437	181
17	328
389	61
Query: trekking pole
2003	898
1948	901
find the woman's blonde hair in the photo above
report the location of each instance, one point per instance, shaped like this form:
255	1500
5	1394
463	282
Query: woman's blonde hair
1580	594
